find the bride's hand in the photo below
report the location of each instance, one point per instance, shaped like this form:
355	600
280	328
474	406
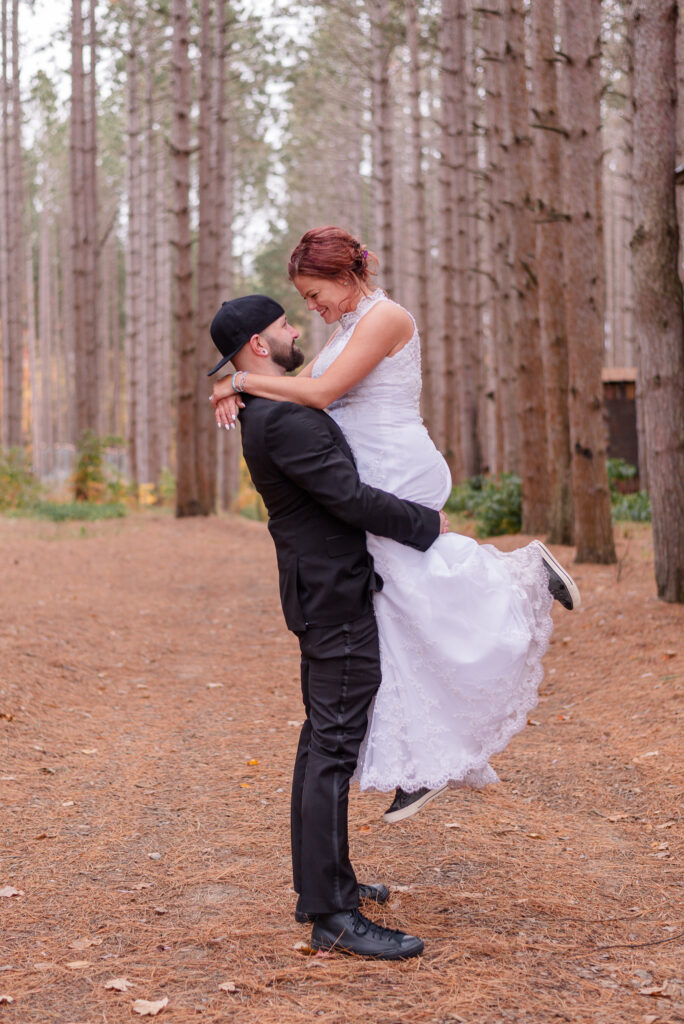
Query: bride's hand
444	526
226	409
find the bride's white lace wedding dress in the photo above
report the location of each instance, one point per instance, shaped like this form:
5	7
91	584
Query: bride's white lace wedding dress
463	627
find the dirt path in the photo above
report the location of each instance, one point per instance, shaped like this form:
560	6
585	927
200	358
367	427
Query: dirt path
146	668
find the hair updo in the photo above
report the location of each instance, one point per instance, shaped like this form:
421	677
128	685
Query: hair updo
332	253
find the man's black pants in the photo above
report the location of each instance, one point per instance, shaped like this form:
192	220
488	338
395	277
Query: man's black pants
340	676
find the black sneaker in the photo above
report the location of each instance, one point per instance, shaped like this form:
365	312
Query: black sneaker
350	932
561	584
406	804
374	891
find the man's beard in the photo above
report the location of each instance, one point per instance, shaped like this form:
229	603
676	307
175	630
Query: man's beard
287	356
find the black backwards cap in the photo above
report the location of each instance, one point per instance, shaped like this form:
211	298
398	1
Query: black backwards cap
236	322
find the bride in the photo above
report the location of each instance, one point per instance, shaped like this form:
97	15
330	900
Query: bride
463	627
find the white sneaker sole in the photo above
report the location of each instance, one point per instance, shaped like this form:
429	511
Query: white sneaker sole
573	589
391	817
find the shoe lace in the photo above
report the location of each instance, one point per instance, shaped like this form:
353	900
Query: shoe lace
364	926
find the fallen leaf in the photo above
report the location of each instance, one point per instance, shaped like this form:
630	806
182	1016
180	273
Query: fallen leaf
6	716
666	824
77	965
533	721
650	1018
146	1008
642	757
45	965
535	835
9	890
674	988
304	948
245	785
68	803
452	824
228	986
255	760
142	885
84	943
6	999
160	910
89	750
119	984
213	686
364	828
651	990
295	724
154	856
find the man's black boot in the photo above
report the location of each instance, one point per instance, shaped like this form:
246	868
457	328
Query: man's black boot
348	931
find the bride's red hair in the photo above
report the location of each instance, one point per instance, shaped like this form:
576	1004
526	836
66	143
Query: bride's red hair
333	253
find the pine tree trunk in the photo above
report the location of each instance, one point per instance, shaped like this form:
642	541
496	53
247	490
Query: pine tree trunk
381	108
82	238
464	206
503	304
530	404
46	311
13	289
549	262
419	227
207	262
134	325
448	158
187	491
584	298
658	288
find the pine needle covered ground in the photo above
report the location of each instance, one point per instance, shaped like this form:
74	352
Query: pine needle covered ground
148	719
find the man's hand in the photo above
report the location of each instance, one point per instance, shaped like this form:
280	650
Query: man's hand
444	526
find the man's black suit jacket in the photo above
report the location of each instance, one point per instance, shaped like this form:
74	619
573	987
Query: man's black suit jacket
319	510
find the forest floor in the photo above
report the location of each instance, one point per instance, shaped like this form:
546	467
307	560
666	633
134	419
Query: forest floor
148	720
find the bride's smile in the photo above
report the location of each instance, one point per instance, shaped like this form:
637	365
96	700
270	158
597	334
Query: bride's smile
329	298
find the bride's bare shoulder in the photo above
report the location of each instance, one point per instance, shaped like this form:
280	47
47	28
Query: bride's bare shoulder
390	313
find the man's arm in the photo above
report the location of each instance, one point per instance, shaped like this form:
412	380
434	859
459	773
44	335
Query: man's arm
302	447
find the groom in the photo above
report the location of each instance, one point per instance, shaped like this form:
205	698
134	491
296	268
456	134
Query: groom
318	513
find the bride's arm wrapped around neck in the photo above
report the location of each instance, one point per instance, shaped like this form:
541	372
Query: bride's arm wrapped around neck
380	332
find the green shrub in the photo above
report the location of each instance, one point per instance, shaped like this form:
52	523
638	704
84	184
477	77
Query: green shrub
90	481
19	488
494	504
166	488
635	508
60	512
619	469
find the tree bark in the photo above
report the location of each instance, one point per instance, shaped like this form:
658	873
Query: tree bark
381	109
533	449
13	263
502	304
207	260
419	227
549	261
448	158
584	299
658	288
81	153
187	491
134	320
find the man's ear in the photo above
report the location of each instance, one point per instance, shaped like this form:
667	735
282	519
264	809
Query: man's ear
258	346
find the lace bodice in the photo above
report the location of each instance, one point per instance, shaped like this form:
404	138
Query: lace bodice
380	417
395	381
